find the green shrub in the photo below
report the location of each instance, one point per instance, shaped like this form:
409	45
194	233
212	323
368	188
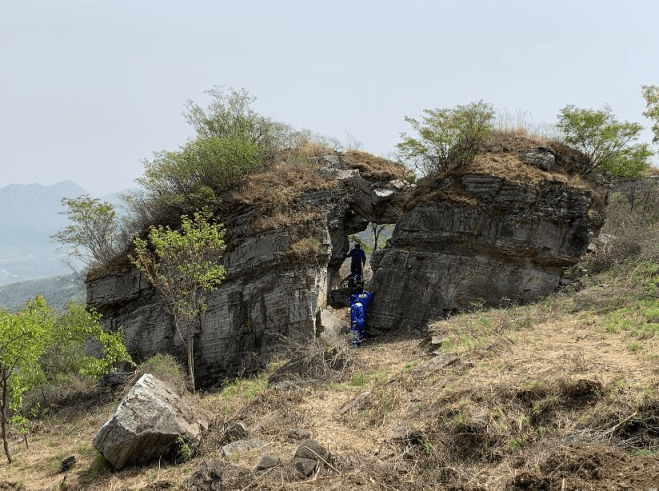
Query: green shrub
447	138
167	369
190	178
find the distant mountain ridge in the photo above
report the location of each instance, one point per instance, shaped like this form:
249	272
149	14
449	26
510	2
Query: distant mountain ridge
57	290
35	206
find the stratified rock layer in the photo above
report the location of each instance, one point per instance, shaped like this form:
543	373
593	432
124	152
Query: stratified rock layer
270	292
482	239
473	237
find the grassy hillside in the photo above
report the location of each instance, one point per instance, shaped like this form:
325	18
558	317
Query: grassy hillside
557	395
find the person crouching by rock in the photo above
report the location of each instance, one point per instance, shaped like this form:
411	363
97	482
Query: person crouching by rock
358	307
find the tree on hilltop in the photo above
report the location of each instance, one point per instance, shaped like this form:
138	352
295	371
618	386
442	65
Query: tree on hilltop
231	139
651	96
447	138
608	143
94	234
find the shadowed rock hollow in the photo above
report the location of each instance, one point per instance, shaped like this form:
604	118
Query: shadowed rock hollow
505	226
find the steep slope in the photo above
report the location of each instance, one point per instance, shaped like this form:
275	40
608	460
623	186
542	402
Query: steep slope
557	395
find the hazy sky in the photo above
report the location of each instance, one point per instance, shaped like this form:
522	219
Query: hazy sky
88	88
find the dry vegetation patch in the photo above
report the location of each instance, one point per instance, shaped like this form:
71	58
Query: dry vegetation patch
500	156
374	167
273	192
559	395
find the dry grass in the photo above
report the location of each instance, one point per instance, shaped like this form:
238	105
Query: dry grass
280	184
499	157
652	172
513	141
273	192
374	167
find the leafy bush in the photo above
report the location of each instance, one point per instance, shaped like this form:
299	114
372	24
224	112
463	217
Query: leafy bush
190	178
166	368
447	138
607	141
35	339
231	140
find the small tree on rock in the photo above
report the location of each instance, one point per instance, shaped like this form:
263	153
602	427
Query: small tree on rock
447	138
607	142
179	264
94	234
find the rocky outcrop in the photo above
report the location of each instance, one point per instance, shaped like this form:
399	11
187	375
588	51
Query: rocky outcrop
470	237
147	424
482	238
277	283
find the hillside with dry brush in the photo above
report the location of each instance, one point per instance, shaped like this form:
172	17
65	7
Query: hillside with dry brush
558	395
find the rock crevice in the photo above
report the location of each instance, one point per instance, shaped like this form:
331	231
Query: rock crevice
467	238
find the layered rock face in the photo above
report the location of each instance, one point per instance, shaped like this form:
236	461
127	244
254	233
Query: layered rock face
481	239
276	285
472	237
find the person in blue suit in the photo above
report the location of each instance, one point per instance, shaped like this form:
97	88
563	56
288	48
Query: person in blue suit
358	310
357	262
361	296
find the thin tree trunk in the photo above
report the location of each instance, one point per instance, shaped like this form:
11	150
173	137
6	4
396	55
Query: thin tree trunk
3	414
190	350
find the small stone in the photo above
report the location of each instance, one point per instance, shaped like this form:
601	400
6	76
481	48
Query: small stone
298	434
437	340
303	466
311	449
235	431
268	461
68	464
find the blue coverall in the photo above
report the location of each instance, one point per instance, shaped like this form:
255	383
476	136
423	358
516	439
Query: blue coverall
357	317
358	307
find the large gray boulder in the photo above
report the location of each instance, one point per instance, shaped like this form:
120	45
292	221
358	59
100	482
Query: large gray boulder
147	424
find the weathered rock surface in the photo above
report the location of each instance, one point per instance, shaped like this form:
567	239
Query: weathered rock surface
235	431
474	238
333	327
483	238
267	293
147	423
268	461
311	449
307	455
208	477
